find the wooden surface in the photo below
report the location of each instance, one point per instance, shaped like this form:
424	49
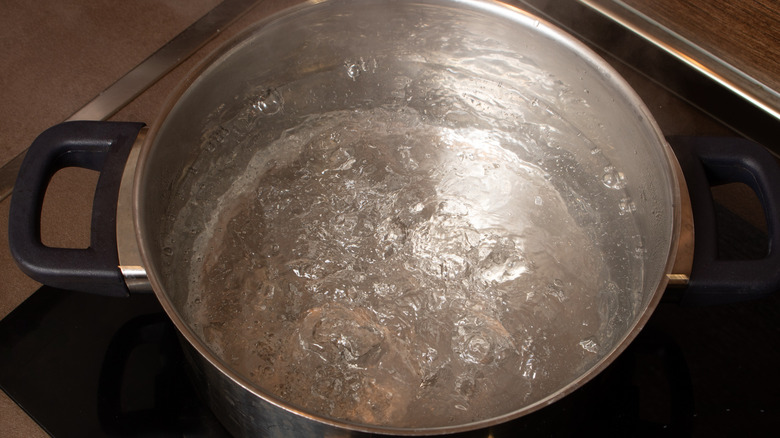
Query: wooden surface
744	33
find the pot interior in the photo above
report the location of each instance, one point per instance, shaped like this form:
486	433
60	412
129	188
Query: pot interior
417	215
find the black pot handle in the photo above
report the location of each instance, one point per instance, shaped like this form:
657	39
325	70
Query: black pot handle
100	146
712	161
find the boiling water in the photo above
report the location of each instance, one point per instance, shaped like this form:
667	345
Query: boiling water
383	266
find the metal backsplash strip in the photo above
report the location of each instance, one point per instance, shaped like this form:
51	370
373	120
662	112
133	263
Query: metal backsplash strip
694	55
145	74
620	44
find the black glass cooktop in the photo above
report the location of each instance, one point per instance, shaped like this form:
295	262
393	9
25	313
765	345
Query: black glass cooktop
83	365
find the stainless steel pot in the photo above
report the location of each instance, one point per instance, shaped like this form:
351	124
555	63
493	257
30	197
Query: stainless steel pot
479	87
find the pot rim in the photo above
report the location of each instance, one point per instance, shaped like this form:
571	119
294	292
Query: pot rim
522	18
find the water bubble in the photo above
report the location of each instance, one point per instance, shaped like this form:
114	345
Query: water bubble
613	179
466	386
217	137
639	247
168	251
269	102
590	345
530	368
353	71
481	340
338	332
430	355
556	290
477	349
626	206
538	200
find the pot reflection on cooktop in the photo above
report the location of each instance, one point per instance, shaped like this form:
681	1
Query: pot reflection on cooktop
143	389
83	365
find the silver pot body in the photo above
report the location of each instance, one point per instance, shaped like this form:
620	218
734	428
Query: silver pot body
478	71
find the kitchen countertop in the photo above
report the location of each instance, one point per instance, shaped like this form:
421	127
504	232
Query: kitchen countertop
60	54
